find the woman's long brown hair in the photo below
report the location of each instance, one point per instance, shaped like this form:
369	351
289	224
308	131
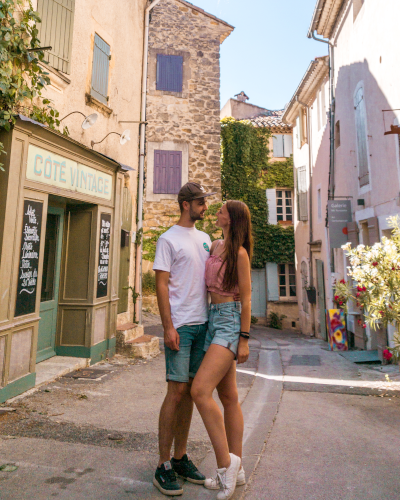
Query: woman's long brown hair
239	235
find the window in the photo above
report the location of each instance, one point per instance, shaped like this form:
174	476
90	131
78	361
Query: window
302	193
287	280
361	134
284	205
100	69
304	283
301	127
169	73
55	31
337	134
167	172
282	145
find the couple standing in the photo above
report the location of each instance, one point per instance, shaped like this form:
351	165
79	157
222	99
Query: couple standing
202	342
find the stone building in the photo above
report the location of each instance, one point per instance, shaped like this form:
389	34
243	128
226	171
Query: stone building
183	103
273	288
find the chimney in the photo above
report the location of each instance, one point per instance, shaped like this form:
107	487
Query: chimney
242	97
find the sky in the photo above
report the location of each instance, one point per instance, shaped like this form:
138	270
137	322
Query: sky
268	52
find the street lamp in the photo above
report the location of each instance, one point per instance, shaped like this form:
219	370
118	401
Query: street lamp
124	137
88	122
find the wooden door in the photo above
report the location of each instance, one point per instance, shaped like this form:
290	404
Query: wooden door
50	284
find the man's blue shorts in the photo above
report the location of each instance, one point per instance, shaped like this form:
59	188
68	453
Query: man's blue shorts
183	364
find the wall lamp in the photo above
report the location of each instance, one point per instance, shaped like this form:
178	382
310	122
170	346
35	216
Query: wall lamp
124	137
87	122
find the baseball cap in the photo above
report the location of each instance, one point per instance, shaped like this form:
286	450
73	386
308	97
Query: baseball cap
192	191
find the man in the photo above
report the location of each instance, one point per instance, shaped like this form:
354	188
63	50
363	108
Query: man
180	261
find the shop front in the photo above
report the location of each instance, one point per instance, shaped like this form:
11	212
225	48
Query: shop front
60	236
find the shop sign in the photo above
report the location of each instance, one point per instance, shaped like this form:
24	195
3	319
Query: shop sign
29	258
339	214
55	170
104	255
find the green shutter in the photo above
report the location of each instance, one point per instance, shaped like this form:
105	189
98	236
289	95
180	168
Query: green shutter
56	30
100	69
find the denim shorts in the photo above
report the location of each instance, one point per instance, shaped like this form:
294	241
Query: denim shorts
224	325
183	364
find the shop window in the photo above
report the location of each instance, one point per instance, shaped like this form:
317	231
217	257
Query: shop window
100	70
167	172
287	281
284	205
169	73
55	30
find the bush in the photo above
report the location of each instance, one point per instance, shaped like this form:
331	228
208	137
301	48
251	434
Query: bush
149	283
275	320
254	320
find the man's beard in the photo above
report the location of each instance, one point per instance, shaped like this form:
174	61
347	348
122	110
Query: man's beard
194	216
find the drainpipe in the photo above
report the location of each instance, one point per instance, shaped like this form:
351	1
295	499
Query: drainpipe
139	226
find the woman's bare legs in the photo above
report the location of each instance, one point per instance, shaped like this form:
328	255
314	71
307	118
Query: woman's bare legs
233	416
216	363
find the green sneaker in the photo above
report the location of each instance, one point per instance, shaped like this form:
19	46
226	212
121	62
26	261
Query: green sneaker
165	480
185	468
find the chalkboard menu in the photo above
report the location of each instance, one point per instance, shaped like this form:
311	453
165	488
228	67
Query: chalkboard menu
104	255
29	258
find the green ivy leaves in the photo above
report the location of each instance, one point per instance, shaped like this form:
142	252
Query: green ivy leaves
245	175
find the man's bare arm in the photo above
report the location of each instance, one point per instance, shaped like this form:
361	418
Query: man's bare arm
171	336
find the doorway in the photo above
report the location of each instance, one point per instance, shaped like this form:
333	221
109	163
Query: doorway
321	298
50	284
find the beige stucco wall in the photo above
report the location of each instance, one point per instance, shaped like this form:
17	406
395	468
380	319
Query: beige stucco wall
120	24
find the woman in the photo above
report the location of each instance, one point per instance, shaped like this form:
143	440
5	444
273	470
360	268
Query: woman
227	276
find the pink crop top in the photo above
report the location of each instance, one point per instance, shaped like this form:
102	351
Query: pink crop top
214	279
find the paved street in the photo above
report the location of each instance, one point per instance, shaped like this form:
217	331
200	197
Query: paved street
317	427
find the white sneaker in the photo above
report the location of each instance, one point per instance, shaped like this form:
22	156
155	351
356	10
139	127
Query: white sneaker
227	478
212	483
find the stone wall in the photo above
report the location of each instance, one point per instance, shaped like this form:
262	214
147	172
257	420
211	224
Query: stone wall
188	121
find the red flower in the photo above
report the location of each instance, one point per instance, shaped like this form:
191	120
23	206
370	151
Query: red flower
393	269
364	325
340	303
387	354
374	264
381	313
336	298
342	281
359	321
357	294
364	288
358	304
390	307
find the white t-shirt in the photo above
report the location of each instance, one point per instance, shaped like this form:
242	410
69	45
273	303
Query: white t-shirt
183	252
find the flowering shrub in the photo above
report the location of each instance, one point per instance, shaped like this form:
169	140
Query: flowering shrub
376	271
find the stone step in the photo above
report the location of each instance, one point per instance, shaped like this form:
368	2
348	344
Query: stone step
126	333
146	346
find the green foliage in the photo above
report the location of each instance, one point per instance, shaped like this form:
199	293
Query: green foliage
253	320
149	283
207	225
150	239
22	79
275	320
278	174
244	170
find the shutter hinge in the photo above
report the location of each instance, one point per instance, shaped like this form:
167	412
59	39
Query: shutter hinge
109	57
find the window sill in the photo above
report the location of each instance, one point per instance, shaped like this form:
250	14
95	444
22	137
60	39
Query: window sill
59	81
99	106
285	223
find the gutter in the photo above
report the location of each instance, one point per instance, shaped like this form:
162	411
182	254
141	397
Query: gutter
139	225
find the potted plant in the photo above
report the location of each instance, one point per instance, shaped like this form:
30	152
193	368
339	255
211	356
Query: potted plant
376	272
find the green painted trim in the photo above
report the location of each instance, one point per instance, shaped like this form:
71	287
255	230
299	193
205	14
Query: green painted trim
45	354
76	351
98	352
112	343
17	387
